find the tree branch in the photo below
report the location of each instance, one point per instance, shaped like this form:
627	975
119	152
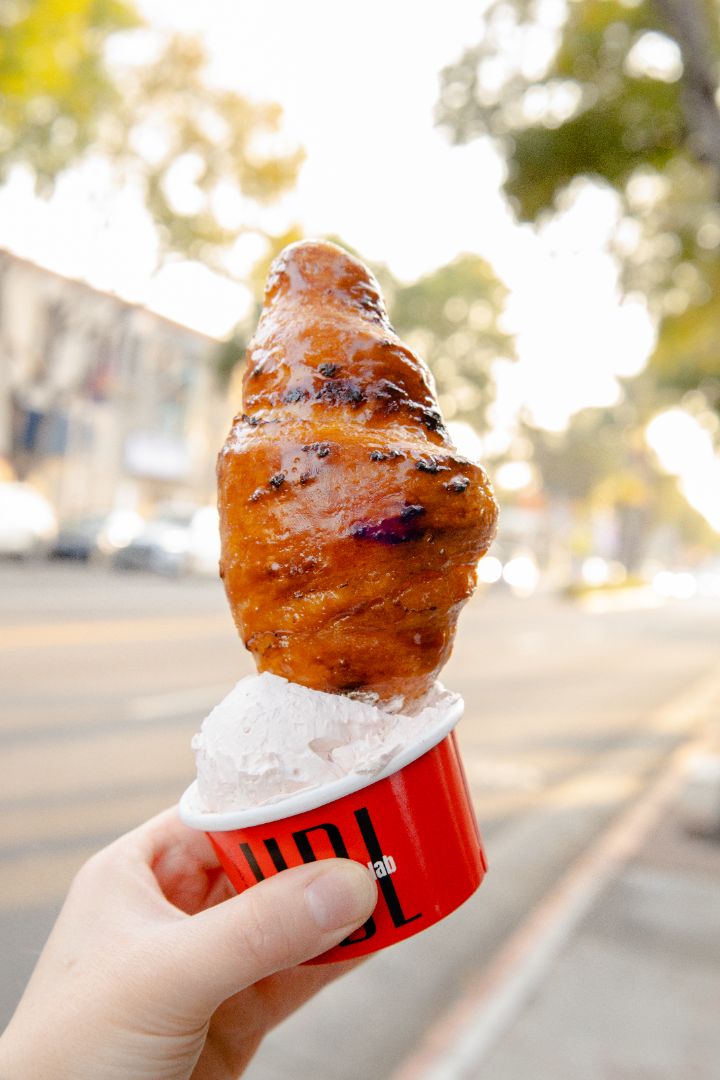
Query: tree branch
689	24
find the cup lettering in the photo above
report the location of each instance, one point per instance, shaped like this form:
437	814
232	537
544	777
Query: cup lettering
382	865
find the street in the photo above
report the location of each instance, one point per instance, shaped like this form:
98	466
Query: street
104	678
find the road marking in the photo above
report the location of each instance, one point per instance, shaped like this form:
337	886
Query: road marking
112	631
73	720
39	880
177	702
71	823
142	755
620	600
49	803
502	774
456	1045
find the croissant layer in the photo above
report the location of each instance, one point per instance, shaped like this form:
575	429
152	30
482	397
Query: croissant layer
351	527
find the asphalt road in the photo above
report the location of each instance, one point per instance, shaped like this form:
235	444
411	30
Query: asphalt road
104	678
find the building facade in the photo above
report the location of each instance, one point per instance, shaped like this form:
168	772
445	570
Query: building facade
102	402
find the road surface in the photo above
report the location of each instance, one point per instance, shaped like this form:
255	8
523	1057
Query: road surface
104	678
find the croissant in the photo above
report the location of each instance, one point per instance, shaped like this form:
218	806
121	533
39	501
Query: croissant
351	528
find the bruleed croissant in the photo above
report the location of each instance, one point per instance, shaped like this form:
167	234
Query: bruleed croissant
351	528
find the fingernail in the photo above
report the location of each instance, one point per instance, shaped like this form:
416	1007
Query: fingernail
343	894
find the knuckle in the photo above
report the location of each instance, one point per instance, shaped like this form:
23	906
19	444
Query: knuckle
101	868
92	870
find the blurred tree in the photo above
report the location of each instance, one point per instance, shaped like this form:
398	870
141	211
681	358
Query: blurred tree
54	82
624	92
230	354
687	357
451	317
602	463
259	273
195	151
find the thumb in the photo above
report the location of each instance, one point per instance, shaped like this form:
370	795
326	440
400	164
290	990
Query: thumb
274	925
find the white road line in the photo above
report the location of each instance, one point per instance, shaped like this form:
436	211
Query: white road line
177	702
456	1045
112	631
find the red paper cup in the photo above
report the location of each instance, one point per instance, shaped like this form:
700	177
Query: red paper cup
413	825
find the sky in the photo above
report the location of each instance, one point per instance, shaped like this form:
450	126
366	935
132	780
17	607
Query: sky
358	87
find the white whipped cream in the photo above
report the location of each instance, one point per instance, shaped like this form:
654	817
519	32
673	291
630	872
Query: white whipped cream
270	738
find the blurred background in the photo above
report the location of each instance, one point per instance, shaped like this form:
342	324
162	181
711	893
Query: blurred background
536	184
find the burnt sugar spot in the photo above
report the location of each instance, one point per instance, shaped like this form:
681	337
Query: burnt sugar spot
386	455
329	370
432	420
340	392
277	480
398	529
321	449
458	484
430	465
384	390
388	397
296	394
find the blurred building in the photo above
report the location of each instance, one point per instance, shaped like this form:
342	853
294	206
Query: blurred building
102	402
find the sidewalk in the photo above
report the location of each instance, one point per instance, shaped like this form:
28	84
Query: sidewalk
635	994
615	974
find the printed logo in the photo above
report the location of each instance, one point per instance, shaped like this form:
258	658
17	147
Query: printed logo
383	866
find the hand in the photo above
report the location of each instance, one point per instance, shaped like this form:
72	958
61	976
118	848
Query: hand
156	970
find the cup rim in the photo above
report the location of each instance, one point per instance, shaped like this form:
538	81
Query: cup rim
311	798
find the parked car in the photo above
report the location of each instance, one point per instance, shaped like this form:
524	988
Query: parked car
27	521
176	541
96	536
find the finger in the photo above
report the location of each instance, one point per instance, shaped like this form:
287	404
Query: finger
185	865
275	925
181	861
164	833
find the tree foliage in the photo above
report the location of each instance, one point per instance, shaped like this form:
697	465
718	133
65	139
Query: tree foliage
192	148
230	354
172	129
623	92
451	317
610	100
54	83
602	463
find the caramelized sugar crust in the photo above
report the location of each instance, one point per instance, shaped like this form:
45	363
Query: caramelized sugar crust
351	527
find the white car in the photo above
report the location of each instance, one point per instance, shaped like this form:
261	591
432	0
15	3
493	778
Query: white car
27	521
176	541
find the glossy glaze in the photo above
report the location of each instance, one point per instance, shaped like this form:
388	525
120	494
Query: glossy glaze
351	528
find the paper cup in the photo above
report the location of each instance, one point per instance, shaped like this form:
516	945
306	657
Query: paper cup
413	826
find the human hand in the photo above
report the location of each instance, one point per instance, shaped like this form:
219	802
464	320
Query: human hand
156	970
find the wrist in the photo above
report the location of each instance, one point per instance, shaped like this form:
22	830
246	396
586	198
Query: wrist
11	1067
19	1059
